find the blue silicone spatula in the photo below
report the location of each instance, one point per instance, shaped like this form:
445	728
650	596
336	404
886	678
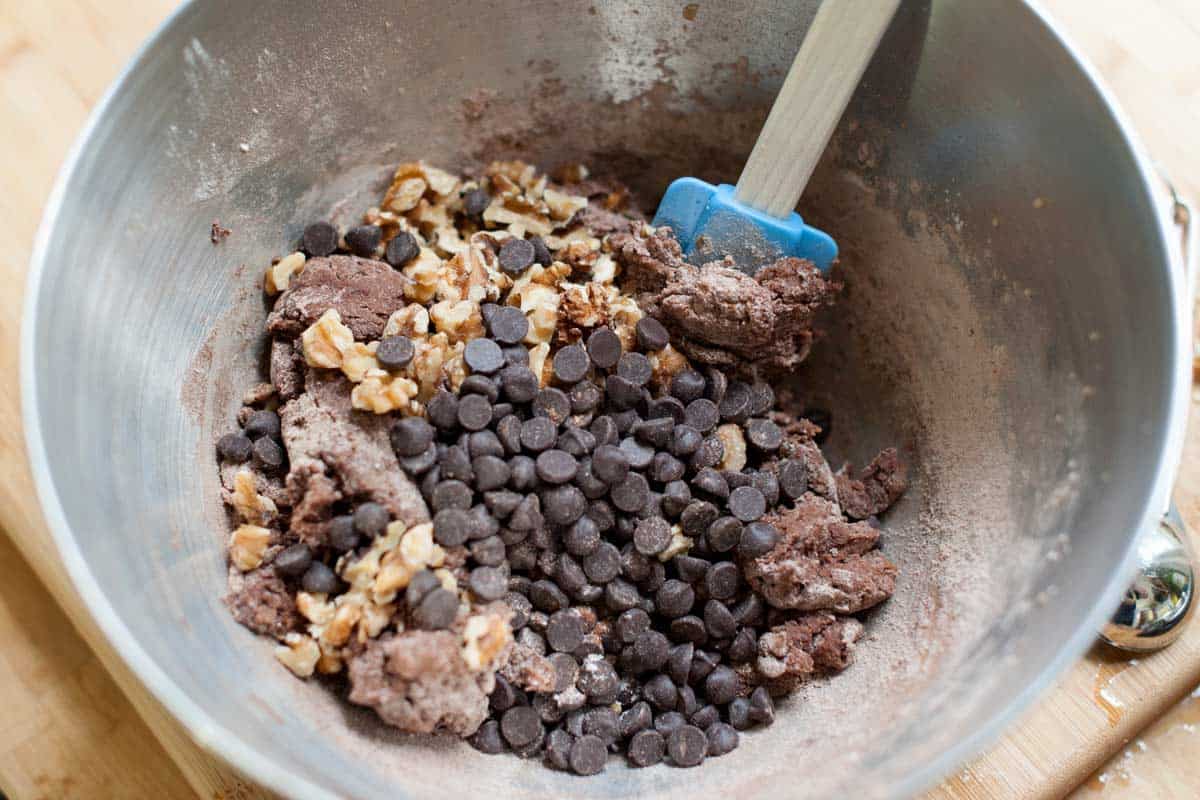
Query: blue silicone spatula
755	221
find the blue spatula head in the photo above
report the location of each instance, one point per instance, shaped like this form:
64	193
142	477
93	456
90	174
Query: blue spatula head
710	224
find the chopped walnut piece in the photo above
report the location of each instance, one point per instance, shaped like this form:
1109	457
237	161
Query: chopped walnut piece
247	545
540	364
735	447
280	274
299	653
666	364
326	340
358	360
315	608
563	206
425	272
484	638
382	392
679	544
411	321
404	194
252	507
461	321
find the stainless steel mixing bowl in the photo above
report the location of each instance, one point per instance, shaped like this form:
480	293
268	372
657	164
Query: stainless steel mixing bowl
1012	319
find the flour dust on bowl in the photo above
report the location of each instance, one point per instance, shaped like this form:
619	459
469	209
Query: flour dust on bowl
1033	380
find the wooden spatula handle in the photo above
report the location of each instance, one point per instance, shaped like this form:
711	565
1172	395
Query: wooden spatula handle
836	50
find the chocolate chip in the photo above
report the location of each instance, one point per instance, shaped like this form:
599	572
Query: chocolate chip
762	398
724	534
483	355
744	646
592	487
603	564
767	483
584	396
401	249
737	479
622	393
516	354
656	432
451	494
363	240
343	536
690	568
652	536
631	494
793	478
687	386
635	368
665	468
474	411
234	447
452	527
635	719
689	628
750	610
747	503
709	454
483	524
292	562
598	680
696	518
411	436
651	335
722	580
739	713
504	696
576	441
703	663
620	595
625	420
565	631
570	576
564	505
538	434
552	404
676	497
679	662
541	253
703	415
764	434
488	583
758	539
687	746
661	692
268	455
482	385
721	685
489	552
668	722
501	503
719	623
715	385
582	538
610	464
520	726
604	428
437	609
650	649
736	405
604	348
487	738
475	202
523	474
722	738
638	455
710	481
395	352
556	466
588	755
443	410
646	748
571	363
456	465
674	599
516	255
547	596
762	707
631	624
507	325
262	423
319	240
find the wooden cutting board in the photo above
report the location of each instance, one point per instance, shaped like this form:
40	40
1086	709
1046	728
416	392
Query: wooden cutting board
77	724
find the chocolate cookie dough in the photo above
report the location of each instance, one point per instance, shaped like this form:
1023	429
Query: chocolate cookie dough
524	482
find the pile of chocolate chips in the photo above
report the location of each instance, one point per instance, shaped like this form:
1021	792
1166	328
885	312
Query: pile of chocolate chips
572	501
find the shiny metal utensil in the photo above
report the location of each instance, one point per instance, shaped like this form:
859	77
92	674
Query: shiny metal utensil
1160	601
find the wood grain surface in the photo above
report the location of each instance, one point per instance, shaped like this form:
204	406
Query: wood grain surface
75	724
